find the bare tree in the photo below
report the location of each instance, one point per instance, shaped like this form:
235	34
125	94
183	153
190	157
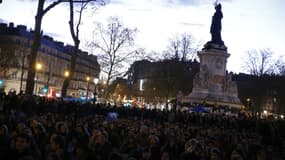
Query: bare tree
261	62
282	70
175	47
182	47
13	55
115	45
189	47
74	31
22	53
8	58
41	11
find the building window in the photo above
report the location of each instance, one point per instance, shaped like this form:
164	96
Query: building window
14	76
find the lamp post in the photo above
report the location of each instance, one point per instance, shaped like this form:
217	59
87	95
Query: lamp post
87	79
66	75
95	89
38	67
248	101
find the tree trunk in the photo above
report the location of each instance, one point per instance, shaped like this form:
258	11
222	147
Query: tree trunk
71	71
22	72
76	41
34	50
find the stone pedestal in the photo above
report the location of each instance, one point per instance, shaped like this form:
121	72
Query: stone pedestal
212	84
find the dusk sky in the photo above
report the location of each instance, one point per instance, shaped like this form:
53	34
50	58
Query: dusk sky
247	24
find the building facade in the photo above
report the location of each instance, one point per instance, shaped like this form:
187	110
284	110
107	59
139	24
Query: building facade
53	60
161	80
259	93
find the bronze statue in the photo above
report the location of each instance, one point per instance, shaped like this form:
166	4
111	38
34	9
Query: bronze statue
216	25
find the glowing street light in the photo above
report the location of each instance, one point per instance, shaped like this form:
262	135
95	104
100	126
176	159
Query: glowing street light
66	74
248	101
96	80
87	79
38	66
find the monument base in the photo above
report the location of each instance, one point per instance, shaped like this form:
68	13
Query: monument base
212	99
213	85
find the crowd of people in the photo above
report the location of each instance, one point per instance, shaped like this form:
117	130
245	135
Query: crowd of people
39	128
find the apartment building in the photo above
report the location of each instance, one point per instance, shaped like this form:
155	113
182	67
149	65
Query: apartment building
53	61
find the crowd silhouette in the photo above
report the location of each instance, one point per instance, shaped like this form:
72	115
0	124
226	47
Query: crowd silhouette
40	128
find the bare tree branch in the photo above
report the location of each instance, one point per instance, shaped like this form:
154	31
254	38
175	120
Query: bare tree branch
182	47
115	46
261	62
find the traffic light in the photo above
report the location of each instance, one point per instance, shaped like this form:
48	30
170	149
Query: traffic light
45	89
1	81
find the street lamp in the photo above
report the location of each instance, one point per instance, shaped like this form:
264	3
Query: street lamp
248	101
265	112
96	80
38	67
87	79
65	88
66	74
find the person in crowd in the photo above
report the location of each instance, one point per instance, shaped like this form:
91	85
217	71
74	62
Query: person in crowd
57	147
4	141
23	148
99	146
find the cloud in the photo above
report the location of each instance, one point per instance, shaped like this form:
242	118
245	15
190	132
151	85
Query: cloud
139	10
3	21
192	24
196	2
163	2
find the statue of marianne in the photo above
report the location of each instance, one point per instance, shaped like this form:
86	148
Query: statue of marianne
216	25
